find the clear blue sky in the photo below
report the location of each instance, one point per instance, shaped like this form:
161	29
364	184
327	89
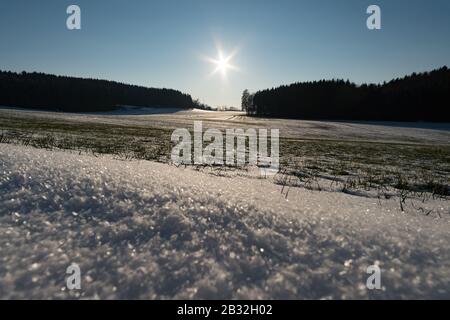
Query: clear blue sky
160	43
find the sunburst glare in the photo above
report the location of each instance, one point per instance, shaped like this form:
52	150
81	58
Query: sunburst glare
222	63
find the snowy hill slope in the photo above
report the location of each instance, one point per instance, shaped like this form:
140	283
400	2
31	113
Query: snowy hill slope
147	230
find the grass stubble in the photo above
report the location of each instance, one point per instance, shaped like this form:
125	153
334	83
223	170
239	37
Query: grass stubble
385	170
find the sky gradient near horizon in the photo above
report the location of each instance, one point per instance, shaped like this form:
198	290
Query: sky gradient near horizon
161	43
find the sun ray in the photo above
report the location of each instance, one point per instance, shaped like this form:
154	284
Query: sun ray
222	63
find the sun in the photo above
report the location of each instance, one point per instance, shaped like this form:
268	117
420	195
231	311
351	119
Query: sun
222	63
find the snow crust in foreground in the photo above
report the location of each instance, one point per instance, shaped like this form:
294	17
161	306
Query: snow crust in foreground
147	230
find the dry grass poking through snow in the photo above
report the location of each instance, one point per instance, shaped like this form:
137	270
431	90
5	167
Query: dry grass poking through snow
409	170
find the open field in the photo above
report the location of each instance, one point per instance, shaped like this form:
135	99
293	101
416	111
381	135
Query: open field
411	158
348	195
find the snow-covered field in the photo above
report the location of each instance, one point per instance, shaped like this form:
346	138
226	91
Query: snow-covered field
140	229
289	128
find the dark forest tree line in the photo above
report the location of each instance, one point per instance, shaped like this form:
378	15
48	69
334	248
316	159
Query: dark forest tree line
61	93
417	97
